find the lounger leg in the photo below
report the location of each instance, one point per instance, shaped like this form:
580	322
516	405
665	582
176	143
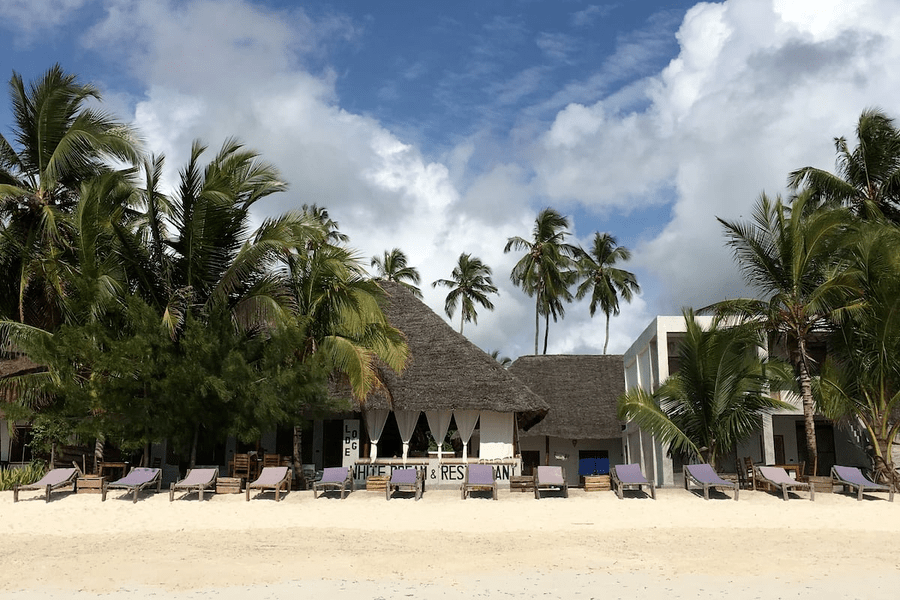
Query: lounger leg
47	494
200	493
387	492
172	492
16	493
737	488
812	493
860	494
248	492
784	492
134	497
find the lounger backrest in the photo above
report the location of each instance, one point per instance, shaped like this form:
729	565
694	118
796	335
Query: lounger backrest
138	476
56	476
852	474
271	475
481	474
334	475
776	475
630	473
704	473
403	476
199	476
550	474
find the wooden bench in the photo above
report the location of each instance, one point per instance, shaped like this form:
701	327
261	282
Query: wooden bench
521	483
596	483
377	483
228	485
90	484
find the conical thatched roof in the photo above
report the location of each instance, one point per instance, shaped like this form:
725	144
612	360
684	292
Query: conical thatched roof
582	391
446	371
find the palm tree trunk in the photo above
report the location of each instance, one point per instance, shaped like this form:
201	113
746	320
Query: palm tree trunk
297	458
546	330
809	413
461	321
194	446
606	342
537	305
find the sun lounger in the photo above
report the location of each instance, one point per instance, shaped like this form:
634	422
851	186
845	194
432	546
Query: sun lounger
197	480
272	478
136	480
406	480
334	478
54	479
851	477
778	477
630	476
550	478
479	478
703	475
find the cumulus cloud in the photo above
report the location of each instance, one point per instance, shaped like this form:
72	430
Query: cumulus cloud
756	90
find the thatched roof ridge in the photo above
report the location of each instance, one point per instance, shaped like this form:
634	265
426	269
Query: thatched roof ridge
582	391
17	364
446	371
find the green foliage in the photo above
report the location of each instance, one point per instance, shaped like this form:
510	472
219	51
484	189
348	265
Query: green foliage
22	476
716	398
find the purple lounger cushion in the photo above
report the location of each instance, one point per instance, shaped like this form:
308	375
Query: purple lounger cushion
270	477
855	476
630	474
334	475
54	478
405	476
198	477
550	475
481	475
704	473
137	476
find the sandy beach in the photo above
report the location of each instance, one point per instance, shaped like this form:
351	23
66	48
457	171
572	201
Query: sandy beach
591	545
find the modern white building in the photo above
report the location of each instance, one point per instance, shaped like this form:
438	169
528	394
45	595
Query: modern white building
779	441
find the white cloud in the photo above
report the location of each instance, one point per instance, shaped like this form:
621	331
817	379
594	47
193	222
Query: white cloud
758	89
29	17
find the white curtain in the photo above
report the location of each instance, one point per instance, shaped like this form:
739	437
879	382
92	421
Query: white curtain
438	423
375	419
465	421
406	422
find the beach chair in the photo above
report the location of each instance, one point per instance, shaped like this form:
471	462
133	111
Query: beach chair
550	478
197	480
406	480
52	480
137	479
704	476
629	476
779	479
334	478
479	478
272	478
851	477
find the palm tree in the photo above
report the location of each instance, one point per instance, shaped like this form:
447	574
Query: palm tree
868	176
60	143
860	380
603	280
504	361
716	398
791	255
544	272
470	283
393	266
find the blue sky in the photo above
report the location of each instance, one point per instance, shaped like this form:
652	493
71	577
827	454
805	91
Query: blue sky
443	128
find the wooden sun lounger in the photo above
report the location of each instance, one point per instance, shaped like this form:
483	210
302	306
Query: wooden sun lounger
852	477
137	479
549	477
630	476
778	478
479	478
406	480
52	480
704	476
276	479
197	480
334	478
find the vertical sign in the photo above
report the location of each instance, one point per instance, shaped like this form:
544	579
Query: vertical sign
351	442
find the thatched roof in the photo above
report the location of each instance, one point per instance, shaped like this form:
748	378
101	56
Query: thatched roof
445	371
581	390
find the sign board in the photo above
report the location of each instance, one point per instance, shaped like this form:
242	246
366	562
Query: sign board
350	452
438	474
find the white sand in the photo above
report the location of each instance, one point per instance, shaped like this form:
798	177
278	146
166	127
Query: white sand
591	545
